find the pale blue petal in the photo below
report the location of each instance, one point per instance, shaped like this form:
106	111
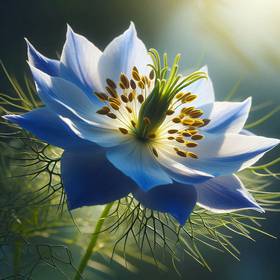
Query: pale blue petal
204	90
135	160
90	179
220	155
79	62
122	54
228	116
176	199
36	59
225	194
49	128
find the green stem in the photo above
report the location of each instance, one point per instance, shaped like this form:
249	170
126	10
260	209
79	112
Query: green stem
93	241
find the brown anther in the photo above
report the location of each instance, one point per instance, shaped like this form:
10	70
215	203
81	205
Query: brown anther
124	80
176	120
128	109
192	155
115	100
187	110
133	123
196	113
155	152
112	92
131	96
172	131
188	122
101	96
123	130
197	137
147	81
190	98
141	84
191	144
103	111
132	84
111	115
152	75
122	86
135	69
143	80
192	131
152	136
136	76
181	116
124	98
180	139
181	153
111	83
206	121
114	106
169	112
146	121
198	122
170	138
179	95
140	98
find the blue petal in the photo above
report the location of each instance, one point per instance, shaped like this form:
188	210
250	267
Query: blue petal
221	155
176	199
49	66
225	194
79	61
89	179
228	116
49	128
135	160
124	52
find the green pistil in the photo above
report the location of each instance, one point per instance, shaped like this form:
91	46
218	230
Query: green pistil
167	84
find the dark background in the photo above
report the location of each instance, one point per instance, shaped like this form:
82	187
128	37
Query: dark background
234	47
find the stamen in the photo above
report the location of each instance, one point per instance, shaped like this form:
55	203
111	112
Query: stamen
147	121
123	130
131	96
124	80
128	109
132	84
124	98
176	120
191	144
112	92
135	76
169	112
180	139
111	83
133	123
188	122
114	106
101	96
192	155
140	98
172	131
141	84
155	152
103	111
152	75
197	137
115	100
111	115
181	153
170	138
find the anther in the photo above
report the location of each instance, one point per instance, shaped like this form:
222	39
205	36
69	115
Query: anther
170	138
141	84
172	131
115	100
188	122
169	112
128	109
131	96
181	153
155	152
206	121
123	130
101	96
103	111
191	144
124	80
114	106
192	155
187	110
179	95
197	137
152	136
136	76
140	98
152	75
133	123
132	84
198	122
111	115
124	98
190	98
176	120
122	86
112	92
196	113
180	139
111	83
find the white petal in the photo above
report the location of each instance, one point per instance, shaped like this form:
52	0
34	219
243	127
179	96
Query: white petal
124	52
79	61
228	116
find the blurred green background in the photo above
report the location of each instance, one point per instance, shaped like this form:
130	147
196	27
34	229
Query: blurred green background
238	40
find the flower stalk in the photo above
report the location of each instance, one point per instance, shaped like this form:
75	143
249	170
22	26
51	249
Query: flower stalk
93	241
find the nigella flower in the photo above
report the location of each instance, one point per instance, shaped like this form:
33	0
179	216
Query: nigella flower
131	124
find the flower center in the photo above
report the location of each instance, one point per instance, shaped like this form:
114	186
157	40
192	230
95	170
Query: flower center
155	106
